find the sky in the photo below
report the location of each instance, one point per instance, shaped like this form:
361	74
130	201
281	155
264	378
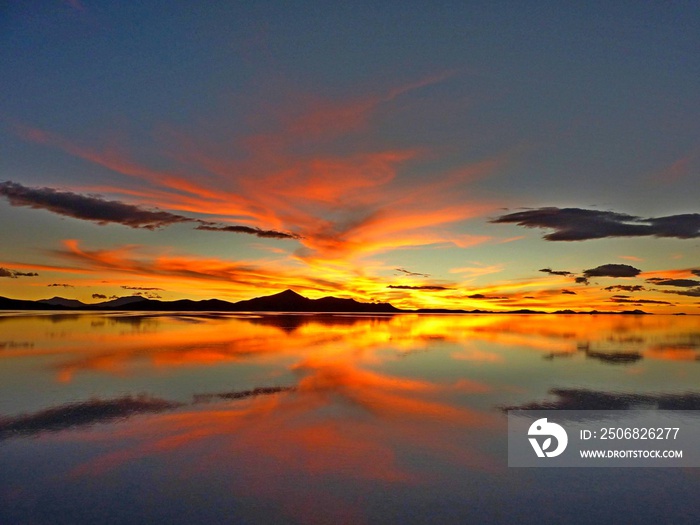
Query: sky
475	155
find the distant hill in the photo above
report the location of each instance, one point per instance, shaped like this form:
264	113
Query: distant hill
181	305
121	301
287	301
17	304
62	301
290	301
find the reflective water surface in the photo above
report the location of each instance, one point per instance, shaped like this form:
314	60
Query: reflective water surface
317	418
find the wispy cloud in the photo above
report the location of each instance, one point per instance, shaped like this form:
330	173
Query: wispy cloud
477	270
412	274
428	288
269	234
693	292
639	301
576	224
145	262
680	168
681	283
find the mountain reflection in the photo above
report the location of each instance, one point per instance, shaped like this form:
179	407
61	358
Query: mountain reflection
95	411
313	415
166	341
290	323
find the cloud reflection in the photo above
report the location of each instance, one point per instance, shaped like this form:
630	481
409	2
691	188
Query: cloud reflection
582	399
128	342
81	414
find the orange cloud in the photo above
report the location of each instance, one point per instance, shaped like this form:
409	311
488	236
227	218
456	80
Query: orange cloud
679	169
147	263
305	176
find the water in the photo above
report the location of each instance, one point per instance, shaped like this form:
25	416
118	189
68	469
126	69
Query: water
220	418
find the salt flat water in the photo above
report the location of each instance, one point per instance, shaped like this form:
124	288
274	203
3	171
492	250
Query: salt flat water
326	418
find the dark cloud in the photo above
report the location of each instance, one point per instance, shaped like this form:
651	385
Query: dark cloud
568	292
147	295
269	234
414	274
612	270
682	283
14	274
695	292
619	299
62	285
80	414
581	280
576	224
90	208
425	288
556	272
625	288
99	296
695	271
142	288
482	296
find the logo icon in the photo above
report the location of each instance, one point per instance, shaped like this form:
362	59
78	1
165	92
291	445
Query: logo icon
542	427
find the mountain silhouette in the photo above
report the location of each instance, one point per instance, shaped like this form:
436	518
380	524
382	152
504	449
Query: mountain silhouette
62	301
287	301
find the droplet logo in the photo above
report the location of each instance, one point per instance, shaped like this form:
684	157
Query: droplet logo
542	428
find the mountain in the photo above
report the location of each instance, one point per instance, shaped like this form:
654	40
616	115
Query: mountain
17	304
287	301
333	304
62	301
120	301
182	305
290	301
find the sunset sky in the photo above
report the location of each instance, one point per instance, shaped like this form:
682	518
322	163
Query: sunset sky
491	155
